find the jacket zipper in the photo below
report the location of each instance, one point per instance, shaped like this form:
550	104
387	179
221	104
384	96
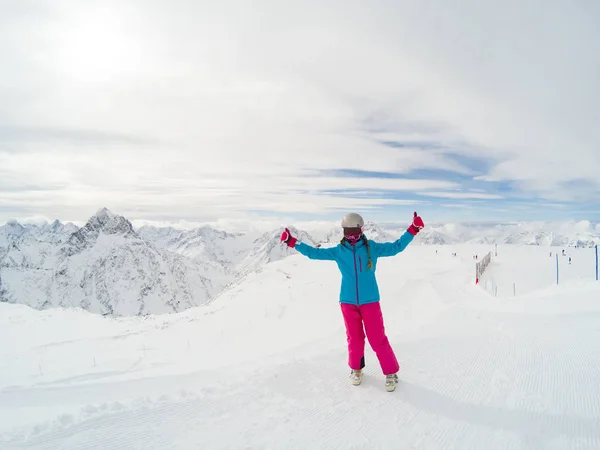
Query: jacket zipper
356	276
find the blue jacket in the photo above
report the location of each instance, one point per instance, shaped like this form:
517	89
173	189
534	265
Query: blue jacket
359	285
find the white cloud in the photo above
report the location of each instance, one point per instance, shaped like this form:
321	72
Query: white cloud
233	102
477	195
34	220
458	205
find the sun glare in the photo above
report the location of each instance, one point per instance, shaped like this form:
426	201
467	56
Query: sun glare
97	46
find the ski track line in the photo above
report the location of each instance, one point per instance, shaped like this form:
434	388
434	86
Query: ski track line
518	356
320	410
501	382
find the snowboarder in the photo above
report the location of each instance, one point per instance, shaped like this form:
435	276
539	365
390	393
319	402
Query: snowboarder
356	257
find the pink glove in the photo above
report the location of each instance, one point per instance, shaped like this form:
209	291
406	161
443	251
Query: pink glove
287	237
416	226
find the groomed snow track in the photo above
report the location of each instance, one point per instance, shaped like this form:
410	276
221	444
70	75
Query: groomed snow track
498	381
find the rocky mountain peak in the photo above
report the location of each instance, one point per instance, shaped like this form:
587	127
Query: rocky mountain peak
105	222
56	225
110	223
14	228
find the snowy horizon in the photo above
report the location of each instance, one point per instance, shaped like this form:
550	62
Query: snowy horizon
264	224
218	111
109	266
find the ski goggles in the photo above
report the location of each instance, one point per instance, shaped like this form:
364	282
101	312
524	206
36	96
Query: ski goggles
352	230
353	234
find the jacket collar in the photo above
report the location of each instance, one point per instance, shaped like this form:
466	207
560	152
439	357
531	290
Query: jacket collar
359	244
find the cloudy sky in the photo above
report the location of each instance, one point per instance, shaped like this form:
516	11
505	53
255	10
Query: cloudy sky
196	110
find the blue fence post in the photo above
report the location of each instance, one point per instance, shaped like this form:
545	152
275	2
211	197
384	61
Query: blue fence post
557	268
596	262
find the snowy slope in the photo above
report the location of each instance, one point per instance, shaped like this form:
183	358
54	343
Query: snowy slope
264	365
506	279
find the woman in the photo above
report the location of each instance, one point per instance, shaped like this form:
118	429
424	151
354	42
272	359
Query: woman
356	257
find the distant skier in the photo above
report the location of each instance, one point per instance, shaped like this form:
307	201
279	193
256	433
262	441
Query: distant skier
356	257
569	260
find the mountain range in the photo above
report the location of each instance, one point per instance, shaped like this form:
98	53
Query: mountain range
567	234
109	267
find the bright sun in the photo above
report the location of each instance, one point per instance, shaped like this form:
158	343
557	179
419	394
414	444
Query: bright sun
97	45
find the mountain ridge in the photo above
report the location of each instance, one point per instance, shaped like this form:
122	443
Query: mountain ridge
107	266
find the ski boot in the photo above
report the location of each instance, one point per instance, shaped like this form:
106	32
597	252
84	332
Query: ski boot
390	382
356	377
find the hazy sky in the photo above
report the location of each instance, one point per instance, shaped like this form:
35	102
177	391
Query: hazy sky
168	110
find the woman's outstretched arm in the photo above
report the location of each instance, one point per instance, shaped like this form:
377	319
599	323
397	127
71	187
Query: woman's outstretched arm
393	248
329	254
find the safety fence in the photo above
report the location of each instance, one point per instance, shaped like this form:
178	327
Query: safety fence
481	266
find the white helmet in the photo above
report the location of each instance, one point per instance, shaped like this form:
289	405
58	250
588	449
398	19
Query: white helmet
352	220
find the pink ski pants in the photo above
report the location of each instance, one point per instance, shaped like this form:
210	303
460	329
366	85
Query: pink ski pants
369	316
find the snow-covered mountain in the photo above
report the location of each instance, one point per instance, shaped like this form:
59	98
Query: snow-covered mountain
109	267
55	232
11	231
268	248
203	245
31	246
103	267
237	254
566	234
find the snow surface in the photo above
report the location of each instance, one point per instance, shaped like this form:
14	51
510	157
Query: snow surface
264	364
